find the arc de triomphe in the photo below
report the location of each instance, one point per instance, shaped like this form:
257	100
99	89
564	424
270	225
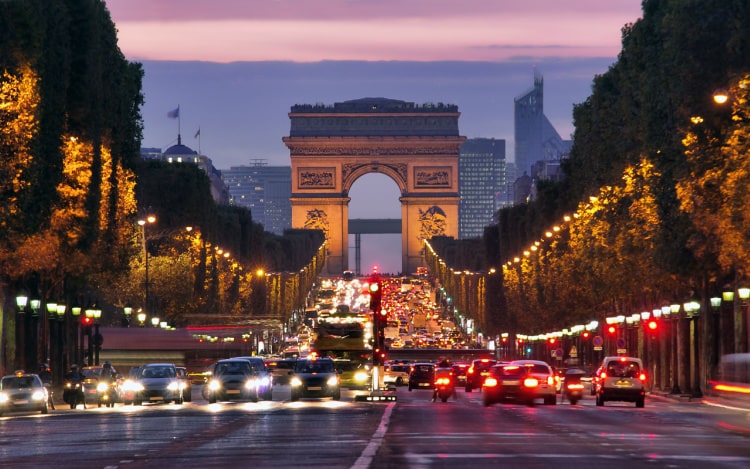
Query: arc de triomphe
415	145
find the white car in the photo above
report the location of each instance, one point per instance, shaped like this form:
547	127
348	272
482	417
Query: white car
397	373
621	379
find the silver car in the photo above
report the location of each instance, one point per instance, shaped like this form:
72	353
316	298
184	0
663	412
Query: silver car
157	382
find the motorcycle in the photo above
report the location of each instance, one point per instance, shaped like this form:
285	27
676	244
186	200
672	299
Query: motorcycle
106	394
73	393
573	387
444	386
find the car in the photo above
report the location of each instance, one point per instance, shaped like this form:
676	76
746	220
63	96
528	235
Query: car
263	377
92	376
396	373
186	383
459	371
232	379
157	382
422	376
621	379
315	377
22	392
595	380
477	371
280	369
128	386
520	381
353	375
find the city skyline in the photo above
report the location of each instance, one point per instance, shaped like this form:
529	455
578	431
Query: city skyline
235	68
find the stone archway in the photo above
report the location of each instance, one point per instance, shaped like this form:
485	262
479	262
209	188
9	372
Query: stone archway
416	146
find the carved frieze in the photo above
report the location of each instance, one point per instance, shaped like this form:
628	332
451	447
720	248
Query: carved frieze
449	149
432	222
316	178
317	220
433	176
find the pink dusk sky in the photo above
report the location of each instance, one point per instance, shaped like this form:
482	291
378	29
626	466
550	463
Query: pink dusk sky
371	30
235	67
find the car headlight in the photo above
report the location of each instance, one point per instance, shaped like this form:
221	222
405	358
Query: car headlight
250	384
214	385
3	398
173	386
37	396
333	381
264	381
295	381
137	387
102	387
360	377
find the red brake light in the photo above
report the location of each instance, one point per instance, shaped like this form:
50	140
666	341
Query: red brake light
642	376
603	375
490	382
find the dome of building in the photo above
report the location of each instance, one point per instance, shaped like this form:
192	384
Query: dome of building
179	149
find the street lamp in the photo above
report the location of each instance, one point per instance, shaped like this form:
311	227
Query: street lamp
21	350
128	311
143	222
692	311
155	322
141	318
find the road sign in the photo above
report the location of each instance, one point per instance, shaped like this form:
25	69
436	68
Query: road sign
573	352
598	341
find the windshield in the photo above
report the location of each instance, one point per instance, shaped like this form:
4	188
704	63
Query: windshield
232	368
158	372
18	382
314	367
623	369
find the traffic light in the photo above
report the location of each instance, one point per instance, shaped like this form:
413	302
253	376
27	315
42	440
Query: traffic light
378	356
375	296
612	330
585	334
86	322
653	326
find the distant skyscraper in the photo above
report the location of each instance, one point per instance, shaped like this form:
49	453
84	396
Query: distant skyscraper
536	139
265	191
481	184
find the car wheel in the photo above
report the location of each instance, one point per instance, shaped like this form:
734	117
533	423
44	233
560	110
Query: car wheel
295	397
128	402
137	402
599	400
468	388
573	401
268	396
179	401
550	400
45	409
410	388
337	395
188	398
212	400
399	381
640	403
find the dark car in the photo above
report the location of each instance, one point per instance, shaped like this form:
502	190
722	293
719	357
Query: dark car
422	376
621	379
22	392
315	377
477	371
157	382
280	369
263	377
459	371
520	381
232	379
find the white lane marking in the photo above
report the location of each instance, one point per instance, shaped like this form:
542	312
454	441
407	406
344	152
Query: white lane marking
365	459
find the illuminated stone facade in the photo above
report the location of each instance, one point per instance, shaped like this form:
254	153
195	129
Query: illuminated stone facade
415	145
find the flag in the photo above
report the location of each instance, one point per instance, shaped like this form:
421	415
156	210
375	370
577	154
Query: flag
174	113
198	133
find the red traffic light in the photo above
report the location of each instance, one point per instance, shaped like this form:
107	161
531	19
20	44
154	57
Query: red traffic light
86	321
612	329
585	335
552	341
653	325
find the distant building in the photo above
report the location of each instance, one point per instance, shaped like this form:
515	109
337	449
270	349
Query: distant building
536	138
265	191
182	154
481	184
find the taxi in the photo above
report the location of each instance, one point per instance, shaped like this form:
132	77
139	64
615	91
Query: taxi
22	392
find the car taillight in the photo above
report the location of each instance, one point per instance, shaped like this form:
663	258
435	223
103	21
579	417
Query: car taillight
642	376
575	386
551	381
531	382
490	382
603	375
470	371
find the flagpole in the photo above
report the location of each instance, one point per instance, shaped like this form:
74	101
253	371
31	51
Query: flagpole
179	124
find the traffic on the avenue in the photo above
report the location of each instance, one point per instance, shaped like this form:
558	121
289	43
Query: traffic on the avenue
305	404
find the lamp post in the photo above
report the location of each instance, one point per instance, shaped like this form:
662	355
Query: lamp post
674	313
692	312
741	329
143	222
128	311
21	301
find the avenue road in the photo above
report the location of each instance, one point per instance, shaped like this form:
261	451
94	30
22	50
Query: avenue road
412	432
